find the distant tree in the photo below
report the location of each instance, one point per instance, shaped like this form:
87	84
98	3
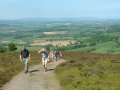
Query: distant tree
70	43
12	47
75	37
117	41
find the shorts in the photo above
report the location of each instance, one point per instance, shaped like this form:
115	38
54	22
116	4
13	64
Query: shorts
44	60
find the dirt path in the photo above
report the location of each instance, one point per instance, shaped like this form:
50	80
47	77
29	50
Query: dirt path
36	79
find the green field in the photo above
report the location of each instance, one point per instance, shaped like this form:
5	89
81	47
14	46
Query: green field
106	47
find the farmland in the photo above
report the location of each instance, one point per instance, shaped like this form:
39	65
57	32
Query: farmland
58	42
99	36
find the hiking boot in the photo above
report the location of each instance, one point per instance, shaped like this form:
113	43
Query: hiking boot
45	69
26	71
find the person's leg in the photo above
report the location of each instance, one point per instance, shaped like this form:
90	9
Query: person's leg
43	61
24	60
46	64
56	58
26	64
52	57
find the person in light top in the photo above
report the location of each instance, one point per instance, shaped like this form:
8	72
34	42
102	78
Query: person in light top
44	57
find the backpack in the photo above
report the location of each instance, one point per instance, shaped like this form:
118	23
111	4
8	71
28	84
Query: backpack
45	54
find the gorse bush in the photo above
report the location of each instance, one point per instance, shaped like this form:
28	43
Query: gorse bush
85	71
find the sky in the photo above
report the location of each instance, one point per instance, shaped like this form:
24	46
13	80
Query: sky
16	9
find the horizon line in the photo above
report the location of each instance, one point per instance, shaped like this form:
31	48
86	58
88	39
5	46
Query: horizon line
83	18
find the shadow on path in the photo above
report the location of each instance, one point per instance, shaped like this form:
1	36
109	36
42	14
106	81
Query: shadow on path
33	71
50	69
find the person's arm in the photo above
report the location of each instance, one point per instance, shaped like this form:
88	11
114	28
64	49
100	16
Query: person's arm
61	54
20	58
29	57
39	51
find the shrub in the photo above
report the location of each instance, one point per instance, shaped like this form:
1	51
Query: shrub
12	47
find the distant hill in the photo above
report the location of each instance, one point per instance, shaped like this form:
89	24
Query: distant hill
39	20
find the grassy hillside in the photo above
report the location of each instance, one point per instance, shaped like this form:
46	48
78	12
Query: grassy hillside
10	65
106	47
85	71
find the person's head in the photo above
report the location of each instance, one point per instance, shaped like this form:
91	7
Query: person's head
24	48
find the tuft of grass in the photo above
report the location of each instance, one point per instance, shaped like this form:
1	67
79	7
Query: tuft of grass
85	71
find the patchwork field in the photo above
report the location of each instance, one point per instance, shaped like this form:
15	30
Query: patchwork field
58	42
55	32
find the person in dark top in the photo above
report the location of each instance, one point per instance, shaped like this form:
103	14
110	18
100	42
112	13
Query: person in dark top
56	55
25	57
